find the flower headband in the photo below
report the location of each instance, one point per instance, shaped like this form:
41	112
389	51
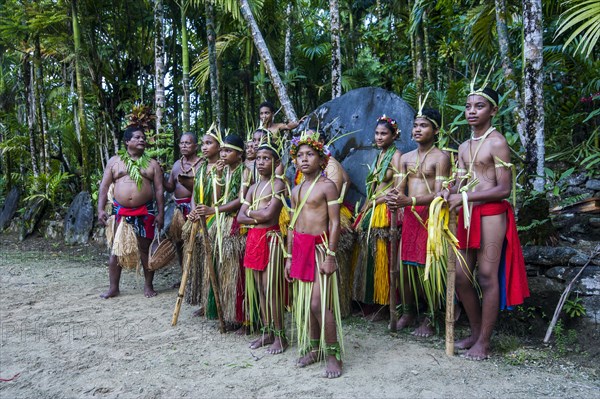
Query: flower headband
310	139
389	120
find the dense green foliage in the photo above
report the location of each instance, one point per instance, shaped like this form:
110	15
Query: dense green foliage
384	43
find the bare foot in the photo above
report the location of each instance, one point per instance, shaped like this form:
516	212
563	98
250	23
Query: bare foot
279	346
333	368
149	291
264	339
111	293
243	330
308	359
478	352
424	330
199	312
405	321
465	343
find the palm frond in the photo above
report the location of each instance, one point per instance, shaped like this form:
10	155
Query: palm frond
584	17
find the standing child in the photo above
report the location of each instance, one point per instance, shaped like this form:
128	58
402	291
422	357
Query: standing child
263	258
266	113
486	228
371	272
422	172
203	194
226	232
312	242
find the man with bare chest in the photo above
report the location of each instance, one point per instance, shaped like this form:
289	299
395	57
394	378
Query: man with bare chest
186	166
138	182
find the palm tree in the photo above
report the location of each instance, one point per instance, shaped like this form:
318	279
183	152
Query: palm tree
336	52
266	58
185	65
159	63
80	122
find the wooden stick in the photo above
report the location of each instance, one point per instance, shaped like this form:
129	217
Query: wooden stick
189	249
213	276
450	289
393	261
565	295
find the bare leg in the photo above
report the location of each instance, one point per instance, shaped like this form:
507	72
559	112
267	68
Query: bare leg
114	276
144	246
266	337
333	369
407	297
493	230
468	296
313	355
280	343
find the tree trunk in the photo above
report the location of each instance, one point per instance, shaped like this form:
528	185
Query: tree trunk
31	118
427	49
288	41
185	64
265	56
212	62
40	105
336	52
419	60
159	63
533	89
507	67
85	163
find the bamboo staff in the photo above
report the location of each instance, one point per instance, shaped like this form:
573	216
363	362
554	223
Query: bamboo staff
450	289
186	272
212	274
393	268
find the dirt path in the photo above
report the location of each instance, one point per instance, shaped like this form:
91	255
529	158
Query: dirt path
64	341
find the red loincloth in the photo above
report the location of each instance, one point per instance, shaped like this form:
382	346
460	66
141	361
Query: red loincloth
141	218
414	236
184	205
303	256
256	256
512	275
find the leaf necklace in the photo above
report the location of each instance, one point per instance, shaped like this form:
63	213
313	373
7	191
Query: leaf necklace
134	167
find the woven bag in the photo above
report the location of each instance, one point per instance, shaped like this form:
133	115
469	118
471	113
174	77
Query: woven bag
161	252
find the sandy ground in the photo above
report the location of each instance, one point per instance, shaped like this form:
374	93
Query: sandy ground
64	341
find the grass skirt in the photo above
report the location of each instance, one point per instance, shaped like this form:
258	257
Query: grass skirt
229	274
371	270
274	296
330	300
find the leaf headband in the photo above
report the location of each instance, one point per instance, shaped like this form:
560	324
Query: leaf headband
480	91
420	112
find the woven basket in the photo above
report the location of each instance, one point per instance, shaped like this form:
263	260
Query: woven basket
161	253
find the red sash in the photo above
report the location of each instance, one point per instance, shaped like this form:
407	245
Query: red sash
303	256
257	252
515	276
414	235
